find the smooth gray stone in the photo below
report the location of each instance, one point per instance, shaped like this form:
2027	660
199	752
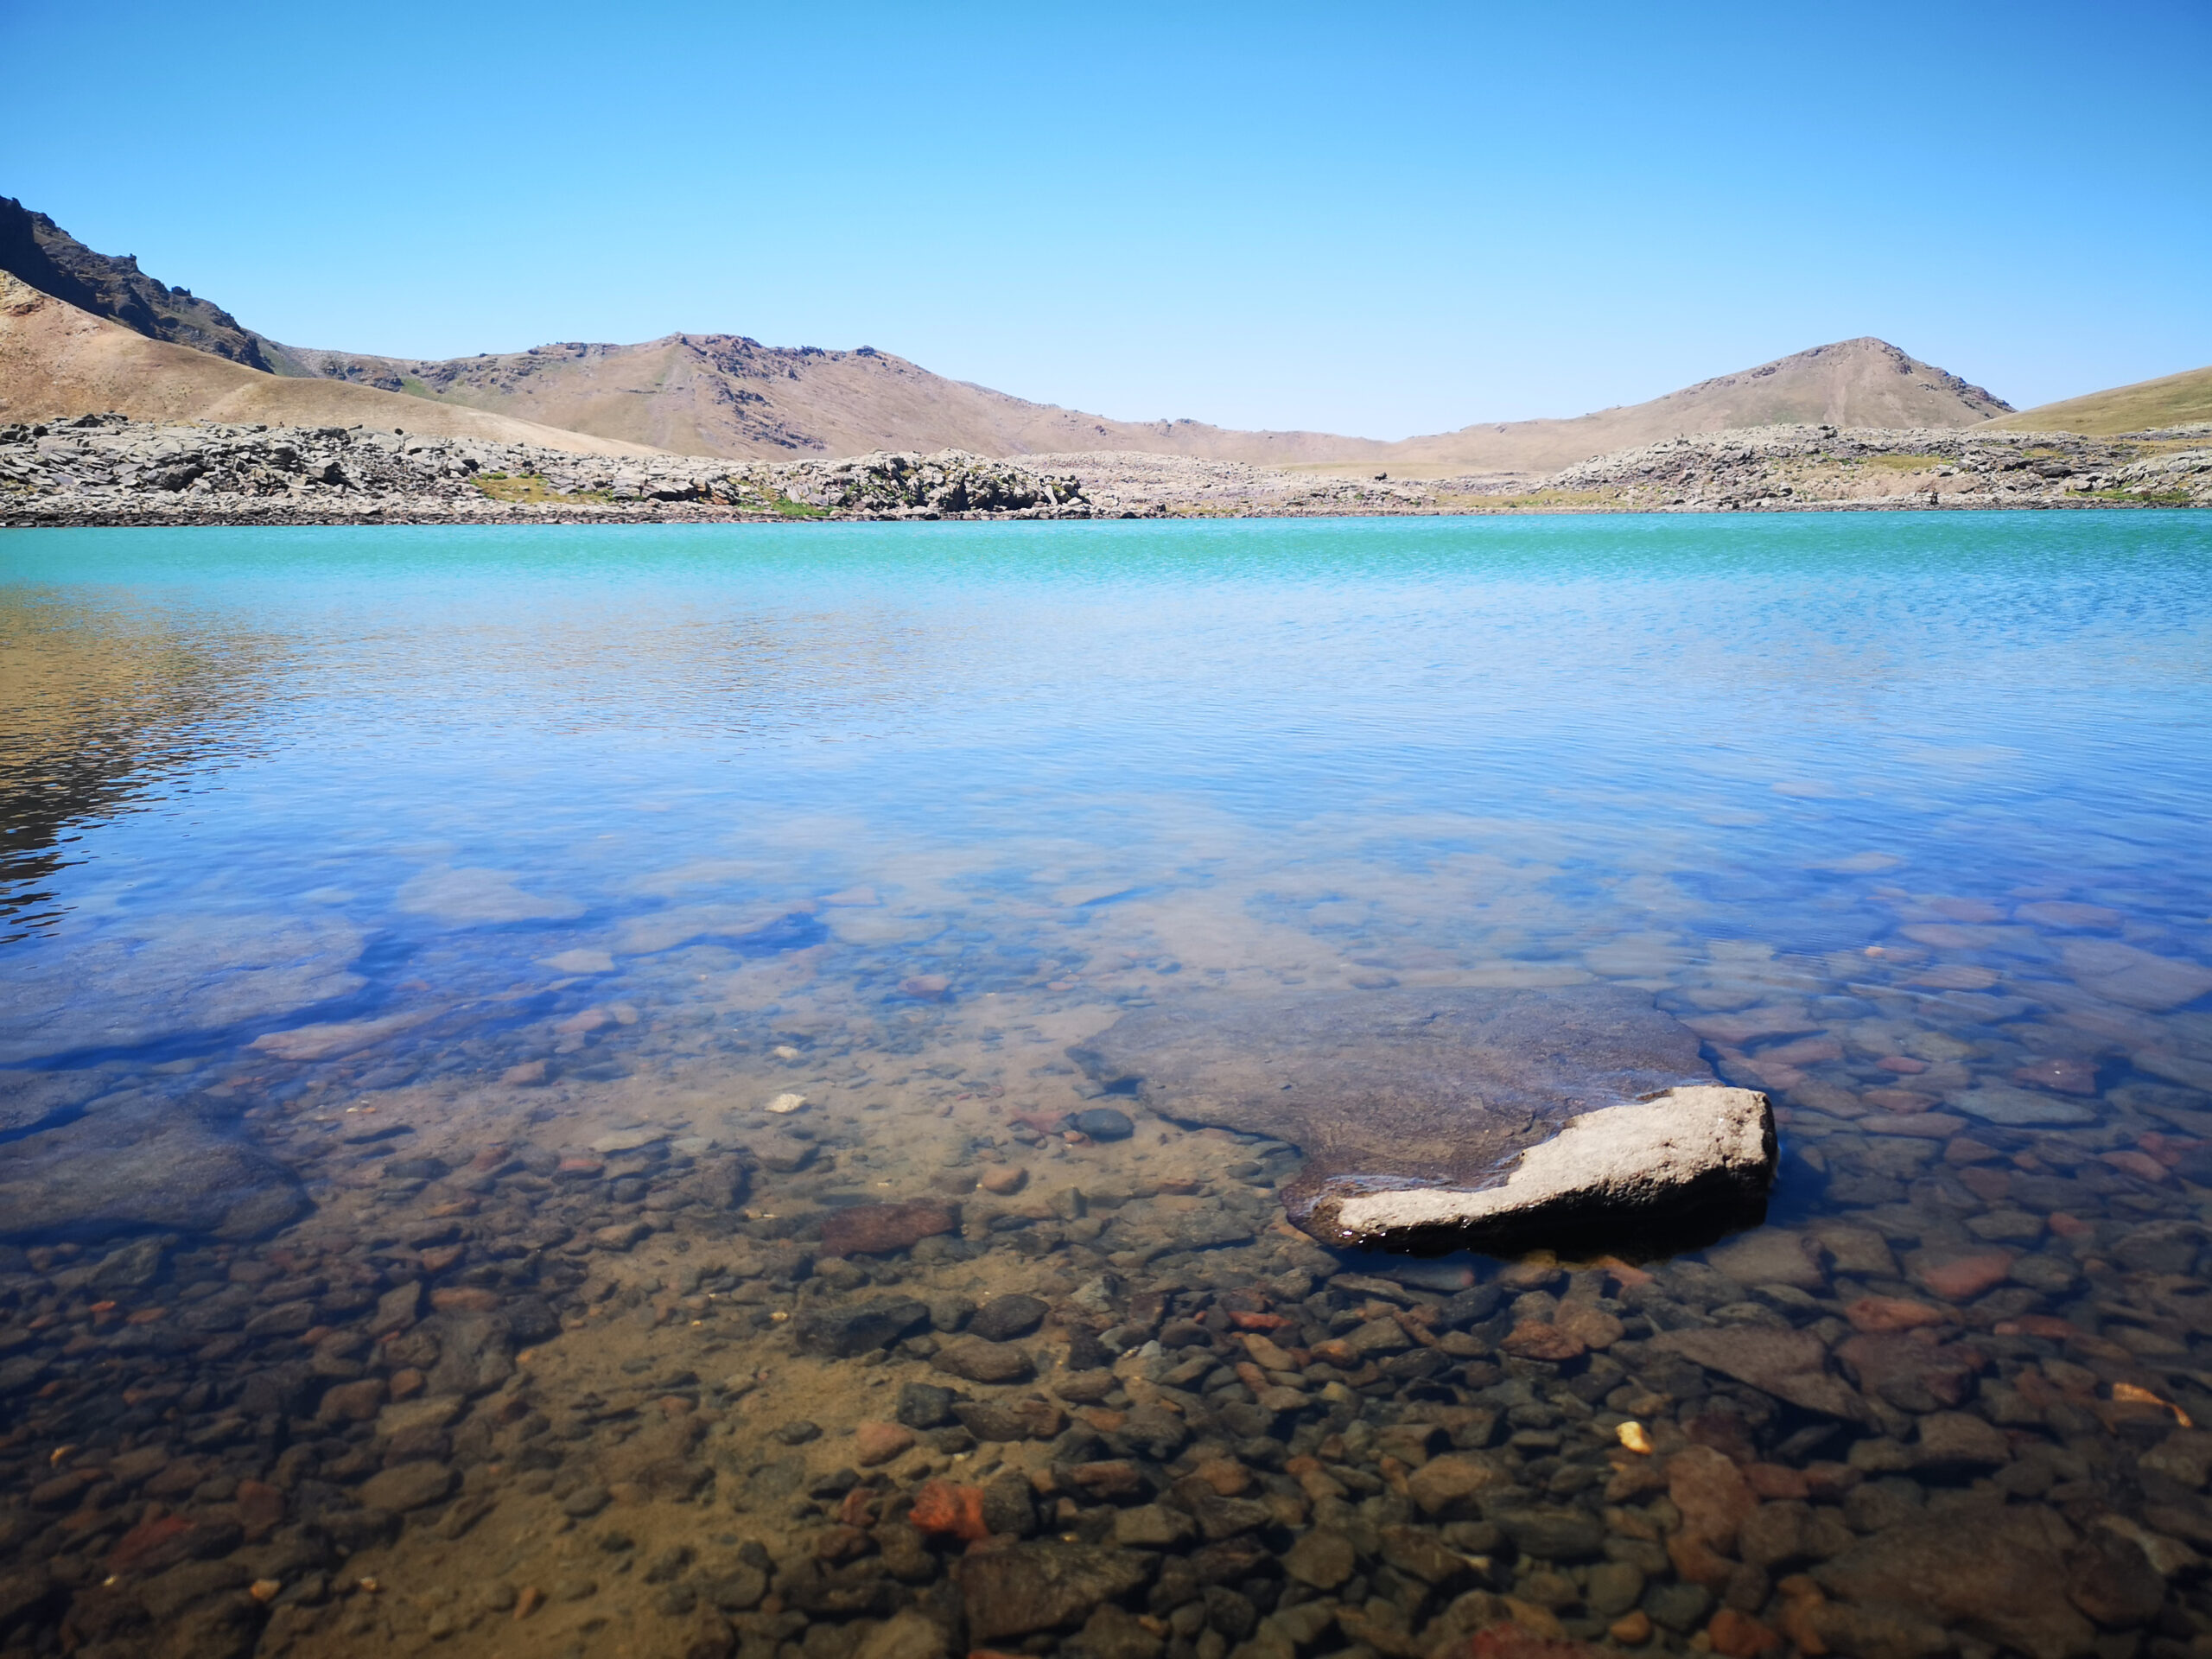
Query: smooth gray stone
158	1167
1999	1103
30	1098
1416	1108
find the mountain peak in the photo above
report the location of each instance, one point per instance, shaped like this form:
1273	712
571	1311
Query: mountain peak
39	251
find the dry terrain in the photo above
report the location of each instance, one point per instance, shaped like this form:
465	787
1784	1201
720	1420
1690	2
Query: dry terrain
106	470
725	395
57	361
1857	422
2173	400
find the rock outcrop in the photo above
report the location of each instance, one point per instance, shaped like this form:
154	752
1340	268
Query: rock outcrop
1504	1120
40	252
1796	466
107	470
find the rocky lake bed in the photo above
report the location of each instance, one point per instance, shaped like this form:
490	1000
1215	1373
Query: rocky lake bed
585	1327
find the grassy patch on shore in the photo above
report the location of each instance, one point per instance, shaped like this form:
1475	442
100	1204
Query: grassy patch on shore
1548	500
530	486
2144	498
787	508
1901	463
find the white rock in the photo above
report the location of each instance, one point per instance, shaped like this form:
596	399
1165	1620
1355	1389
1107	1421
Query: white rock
786	1102
579	962
1684	1149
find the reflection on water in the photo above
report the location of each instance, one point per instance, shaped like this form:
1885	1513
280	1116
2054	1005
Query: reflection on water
534	1091
96	710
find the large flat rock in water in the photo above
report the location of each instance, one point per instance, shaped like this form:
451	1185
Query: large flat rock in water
1577	1119
147	1167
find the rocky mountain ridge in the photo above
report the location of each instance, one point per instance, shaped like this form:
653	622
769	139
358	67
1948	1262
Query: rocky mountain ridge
38	251
727	395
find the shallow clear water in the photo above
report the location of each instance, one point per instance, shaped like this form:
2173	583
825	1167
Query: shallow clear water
408	863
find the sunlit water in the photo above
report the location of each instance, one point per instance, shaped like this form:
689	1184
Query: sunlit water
407	931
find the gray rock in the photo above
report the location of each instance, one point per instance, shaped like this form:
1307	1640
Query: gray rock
120	991
949	1313
1011	1420
1153	1526
1677	1607
132	1267
1790	1365
736	1589
2109	1577
842	1333
972	1357
474	1353
2002	1580
1009	1506
907	1636
1409	1104
1041	1587
1553	1534
160	1167
1103	1123
407	1487
170	1593
1004	1318
398	1308
1958	1440
2000	1102
922	1405
1322	1558
1613	1588
30	1098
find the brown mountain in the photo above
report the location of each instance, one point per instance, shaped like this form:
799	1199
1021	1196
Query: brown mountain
728	395
725	395
57	360
1863	382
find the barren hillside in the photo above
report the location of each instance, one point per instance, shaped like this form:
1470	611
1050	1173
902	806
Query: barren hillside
726	395
58	361
2171	400
1860	383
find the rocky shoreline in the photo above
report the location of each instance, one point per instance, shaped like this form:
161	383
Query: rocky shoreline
1765	469
106	470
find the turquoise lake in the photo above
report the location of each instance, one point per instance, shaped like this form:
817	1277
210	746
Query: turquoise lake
469	996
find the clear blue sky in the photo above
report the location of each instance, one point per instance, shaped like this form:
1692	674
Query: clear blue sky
1376	218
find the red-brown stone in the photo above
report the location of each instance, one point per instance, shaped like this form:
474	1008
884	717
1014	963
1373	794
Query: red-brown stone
886	1229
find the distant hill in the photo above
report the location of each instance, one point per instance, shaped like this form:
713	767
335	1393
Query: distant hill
725	395
1863	382
2173	400
57	360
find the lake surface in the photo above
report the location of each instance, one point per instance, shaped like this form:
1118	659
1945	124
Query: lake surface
521	1051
